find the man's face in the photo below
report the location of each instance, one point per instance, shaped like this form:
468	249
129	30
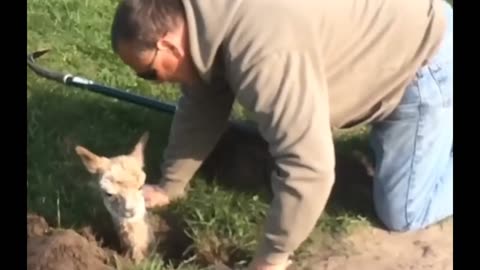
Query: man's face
158	64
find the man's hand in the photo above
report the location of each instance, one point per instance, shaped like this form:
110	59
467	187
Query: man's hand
262	265
154	196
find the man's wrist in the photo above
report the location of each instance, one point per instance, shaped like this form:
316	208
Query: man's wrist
269	255
172	189
158	188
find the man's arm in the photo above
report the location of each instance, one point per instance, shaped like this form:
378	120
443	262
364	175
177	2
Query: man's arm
202	115
288	95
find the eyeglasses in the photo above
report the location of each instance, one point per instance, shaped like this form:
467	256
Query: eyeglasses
151	73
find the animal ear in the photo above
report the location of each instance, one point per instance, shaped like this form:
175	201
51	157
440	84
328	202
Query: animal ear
93	163
138	150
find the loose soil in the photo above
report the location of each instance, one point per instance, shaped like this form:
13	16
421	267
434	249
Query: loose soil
87	248
374	248
50	249
365	249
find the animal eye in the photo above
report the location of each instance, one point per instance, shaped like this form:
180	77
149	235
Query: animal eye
108	194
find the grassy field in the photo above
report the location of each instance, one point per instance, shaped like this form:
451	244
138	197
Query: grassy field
218	221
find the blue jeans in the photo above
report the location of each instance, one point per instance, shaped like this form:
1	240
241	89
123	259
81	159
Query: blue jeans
413	147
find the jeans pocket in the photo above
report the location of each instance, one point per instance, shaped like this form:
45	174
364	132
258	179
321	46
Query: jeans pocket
441	73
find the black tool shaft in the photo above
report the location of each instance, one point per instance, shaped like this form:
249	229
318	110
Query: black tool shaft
84	83
123	95
80	82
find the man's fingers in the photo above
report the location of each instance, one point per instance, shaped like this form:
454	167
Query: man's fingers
146	192
148	198
154	197
148	202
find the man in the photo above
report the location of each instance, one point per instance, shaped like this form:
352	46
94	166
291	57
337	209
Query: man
305	68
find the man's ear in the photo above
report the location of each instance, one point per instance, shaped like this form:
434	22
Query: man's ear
93	163
138	150
171	42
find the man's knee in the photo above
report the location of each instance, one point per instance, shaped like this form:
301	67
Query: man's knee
403	206
396	221
397	215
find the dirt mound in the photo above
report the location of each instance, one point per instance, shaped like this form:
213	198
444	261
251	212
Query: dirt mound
36	225
49	249
96	247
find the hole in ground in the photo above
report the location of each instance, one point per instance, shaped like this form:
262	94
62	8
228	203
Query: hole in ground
171	239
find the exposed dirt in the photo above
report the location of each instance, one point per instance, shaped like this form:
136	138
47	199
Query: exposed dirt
49	249
365	249
88	248
374	248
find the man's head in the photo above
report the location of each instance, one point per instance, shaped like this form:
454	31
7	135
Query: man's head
151	37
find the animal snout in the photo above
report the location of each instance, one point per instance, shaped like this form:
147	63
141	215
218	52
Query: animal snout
129	212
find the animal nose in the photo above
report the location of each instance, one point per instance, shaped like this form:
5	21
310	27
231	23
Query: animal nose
129	212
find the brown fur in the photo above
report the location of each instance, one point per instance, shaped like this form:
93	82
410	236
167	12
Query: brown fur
121	179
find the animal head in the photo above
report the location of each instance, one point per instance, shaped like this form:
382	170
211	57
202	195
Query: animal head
120	179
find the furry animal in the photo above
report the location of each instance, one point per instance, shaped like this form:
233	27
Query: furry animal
120	180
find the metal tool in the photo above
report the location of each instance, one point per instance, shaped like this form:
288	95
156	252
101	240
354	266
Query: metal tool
84	83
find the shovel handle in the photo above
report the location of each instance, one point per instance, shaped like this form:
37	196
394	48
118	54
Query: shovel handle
80	82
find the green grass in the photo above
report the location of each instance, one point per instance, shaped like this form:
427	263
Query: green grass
221	223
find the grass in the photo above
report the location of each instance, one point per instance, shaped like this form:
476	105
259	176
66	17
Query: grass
222	223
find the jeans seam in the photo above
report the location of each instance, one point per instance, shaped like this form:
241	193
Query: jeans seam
417	139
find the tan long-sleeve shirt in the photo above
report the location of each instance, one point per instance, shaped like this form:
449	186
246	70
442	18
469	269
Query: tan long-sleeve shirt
302	67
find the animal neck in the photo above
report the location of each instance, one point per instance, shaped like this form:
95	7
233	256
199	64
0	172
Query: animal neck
135	233
135	230
140	217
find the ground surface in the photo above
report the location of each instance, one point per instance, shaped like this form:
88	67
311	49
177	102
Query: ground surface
367	247
227	199
373	248
61	249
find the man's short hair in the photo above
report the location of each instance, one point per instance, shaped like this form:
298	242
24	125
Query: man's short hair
142	22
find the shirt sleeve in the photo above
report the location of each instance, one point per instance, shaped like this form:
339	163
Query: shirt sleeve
288	96
200	119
